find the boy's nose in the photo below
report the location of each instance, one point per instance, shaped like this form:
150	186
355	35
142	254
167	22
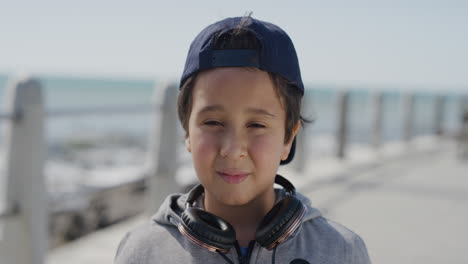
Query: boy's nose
234	146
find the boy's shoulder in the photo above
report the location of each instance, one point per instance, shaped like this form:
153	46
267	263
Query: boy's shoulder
323	238
153	242
147	241
319	226
333	239
157	238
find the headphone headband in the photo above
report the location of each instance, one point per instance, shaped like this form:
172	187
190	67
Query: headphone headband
194	193
287	185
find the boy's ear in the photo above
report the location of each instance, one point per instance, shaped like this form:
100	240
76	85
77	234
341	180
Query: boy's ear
187	144
287	145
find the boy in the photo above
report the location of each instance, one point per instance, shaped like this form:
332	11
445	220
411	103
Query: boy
239	104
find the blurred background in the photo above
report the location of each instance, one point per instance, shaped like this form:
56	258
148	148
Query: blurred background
98	54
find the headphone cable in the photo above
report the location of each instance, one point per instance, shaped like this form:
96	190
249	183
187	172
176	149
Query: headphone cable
225	257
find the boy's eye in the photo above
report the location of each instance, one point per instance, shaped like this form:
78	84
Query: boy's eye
213	123
256	125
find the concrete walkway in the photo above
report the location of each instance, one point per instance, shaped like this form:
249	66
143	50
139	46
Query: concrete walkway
410	208
98	247
413	210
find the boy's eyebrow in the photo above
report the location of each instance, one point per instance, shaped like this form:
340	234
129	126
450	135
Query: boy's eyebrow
260	111
253	110
211	108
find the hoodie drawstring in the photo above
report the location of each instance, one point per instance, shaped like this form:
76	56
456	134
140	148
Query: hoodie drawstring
273	257
225	257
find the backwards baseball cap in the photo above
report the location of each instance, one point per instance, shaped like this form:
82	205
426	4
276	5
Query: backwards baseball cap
275	54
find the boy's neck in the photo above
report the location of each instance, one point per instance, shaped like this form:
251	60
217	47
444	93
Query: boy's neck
246	218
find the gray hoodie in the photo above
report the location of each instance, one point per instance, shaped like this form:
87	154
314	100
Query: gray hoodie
317	241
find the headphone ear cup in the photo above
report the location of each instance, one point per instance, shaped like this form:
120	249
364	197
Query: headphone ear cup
209	229
279	220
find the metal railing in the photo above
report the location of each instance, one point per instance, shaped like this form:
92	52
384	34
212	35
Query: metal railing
24	212
23	216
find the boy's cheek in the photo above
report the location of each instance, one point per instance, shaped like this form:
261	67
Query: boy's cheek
203	145
266	148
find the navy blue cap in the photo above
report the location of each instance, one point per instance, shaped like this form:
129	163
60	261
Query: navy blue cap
276	53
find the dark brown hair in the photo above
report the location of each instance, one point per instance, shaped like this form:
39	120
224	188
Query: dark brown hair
241	38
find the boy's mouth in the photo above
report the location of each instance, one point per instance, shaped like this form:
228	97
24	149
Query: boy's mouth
233	177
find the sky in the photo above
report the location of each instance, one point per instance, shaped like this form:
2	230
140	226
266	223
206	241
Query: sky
360	42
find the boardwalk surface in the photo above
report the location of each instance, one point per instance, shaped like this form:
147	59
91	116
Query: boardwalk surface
408	210
413	210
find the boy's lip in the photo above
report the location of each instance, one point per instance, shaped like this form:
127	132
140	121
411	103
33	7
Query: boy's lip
233	176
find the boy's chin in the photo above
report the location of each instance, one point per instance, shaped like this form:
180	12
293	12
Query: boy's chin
237	198
234	201
232	198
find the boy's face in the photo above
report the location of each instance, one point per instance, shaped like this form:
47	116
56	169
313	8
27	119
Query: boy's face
236	134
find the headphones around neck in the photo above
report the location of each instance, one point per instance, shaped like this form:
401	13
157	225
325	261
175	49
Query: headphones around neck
217	235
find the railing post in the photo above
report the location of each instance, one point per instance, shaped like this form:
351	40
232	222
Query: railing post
342	128
464	115
377	119
462	133
439	112
24	228
408	116
164	145
463	108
